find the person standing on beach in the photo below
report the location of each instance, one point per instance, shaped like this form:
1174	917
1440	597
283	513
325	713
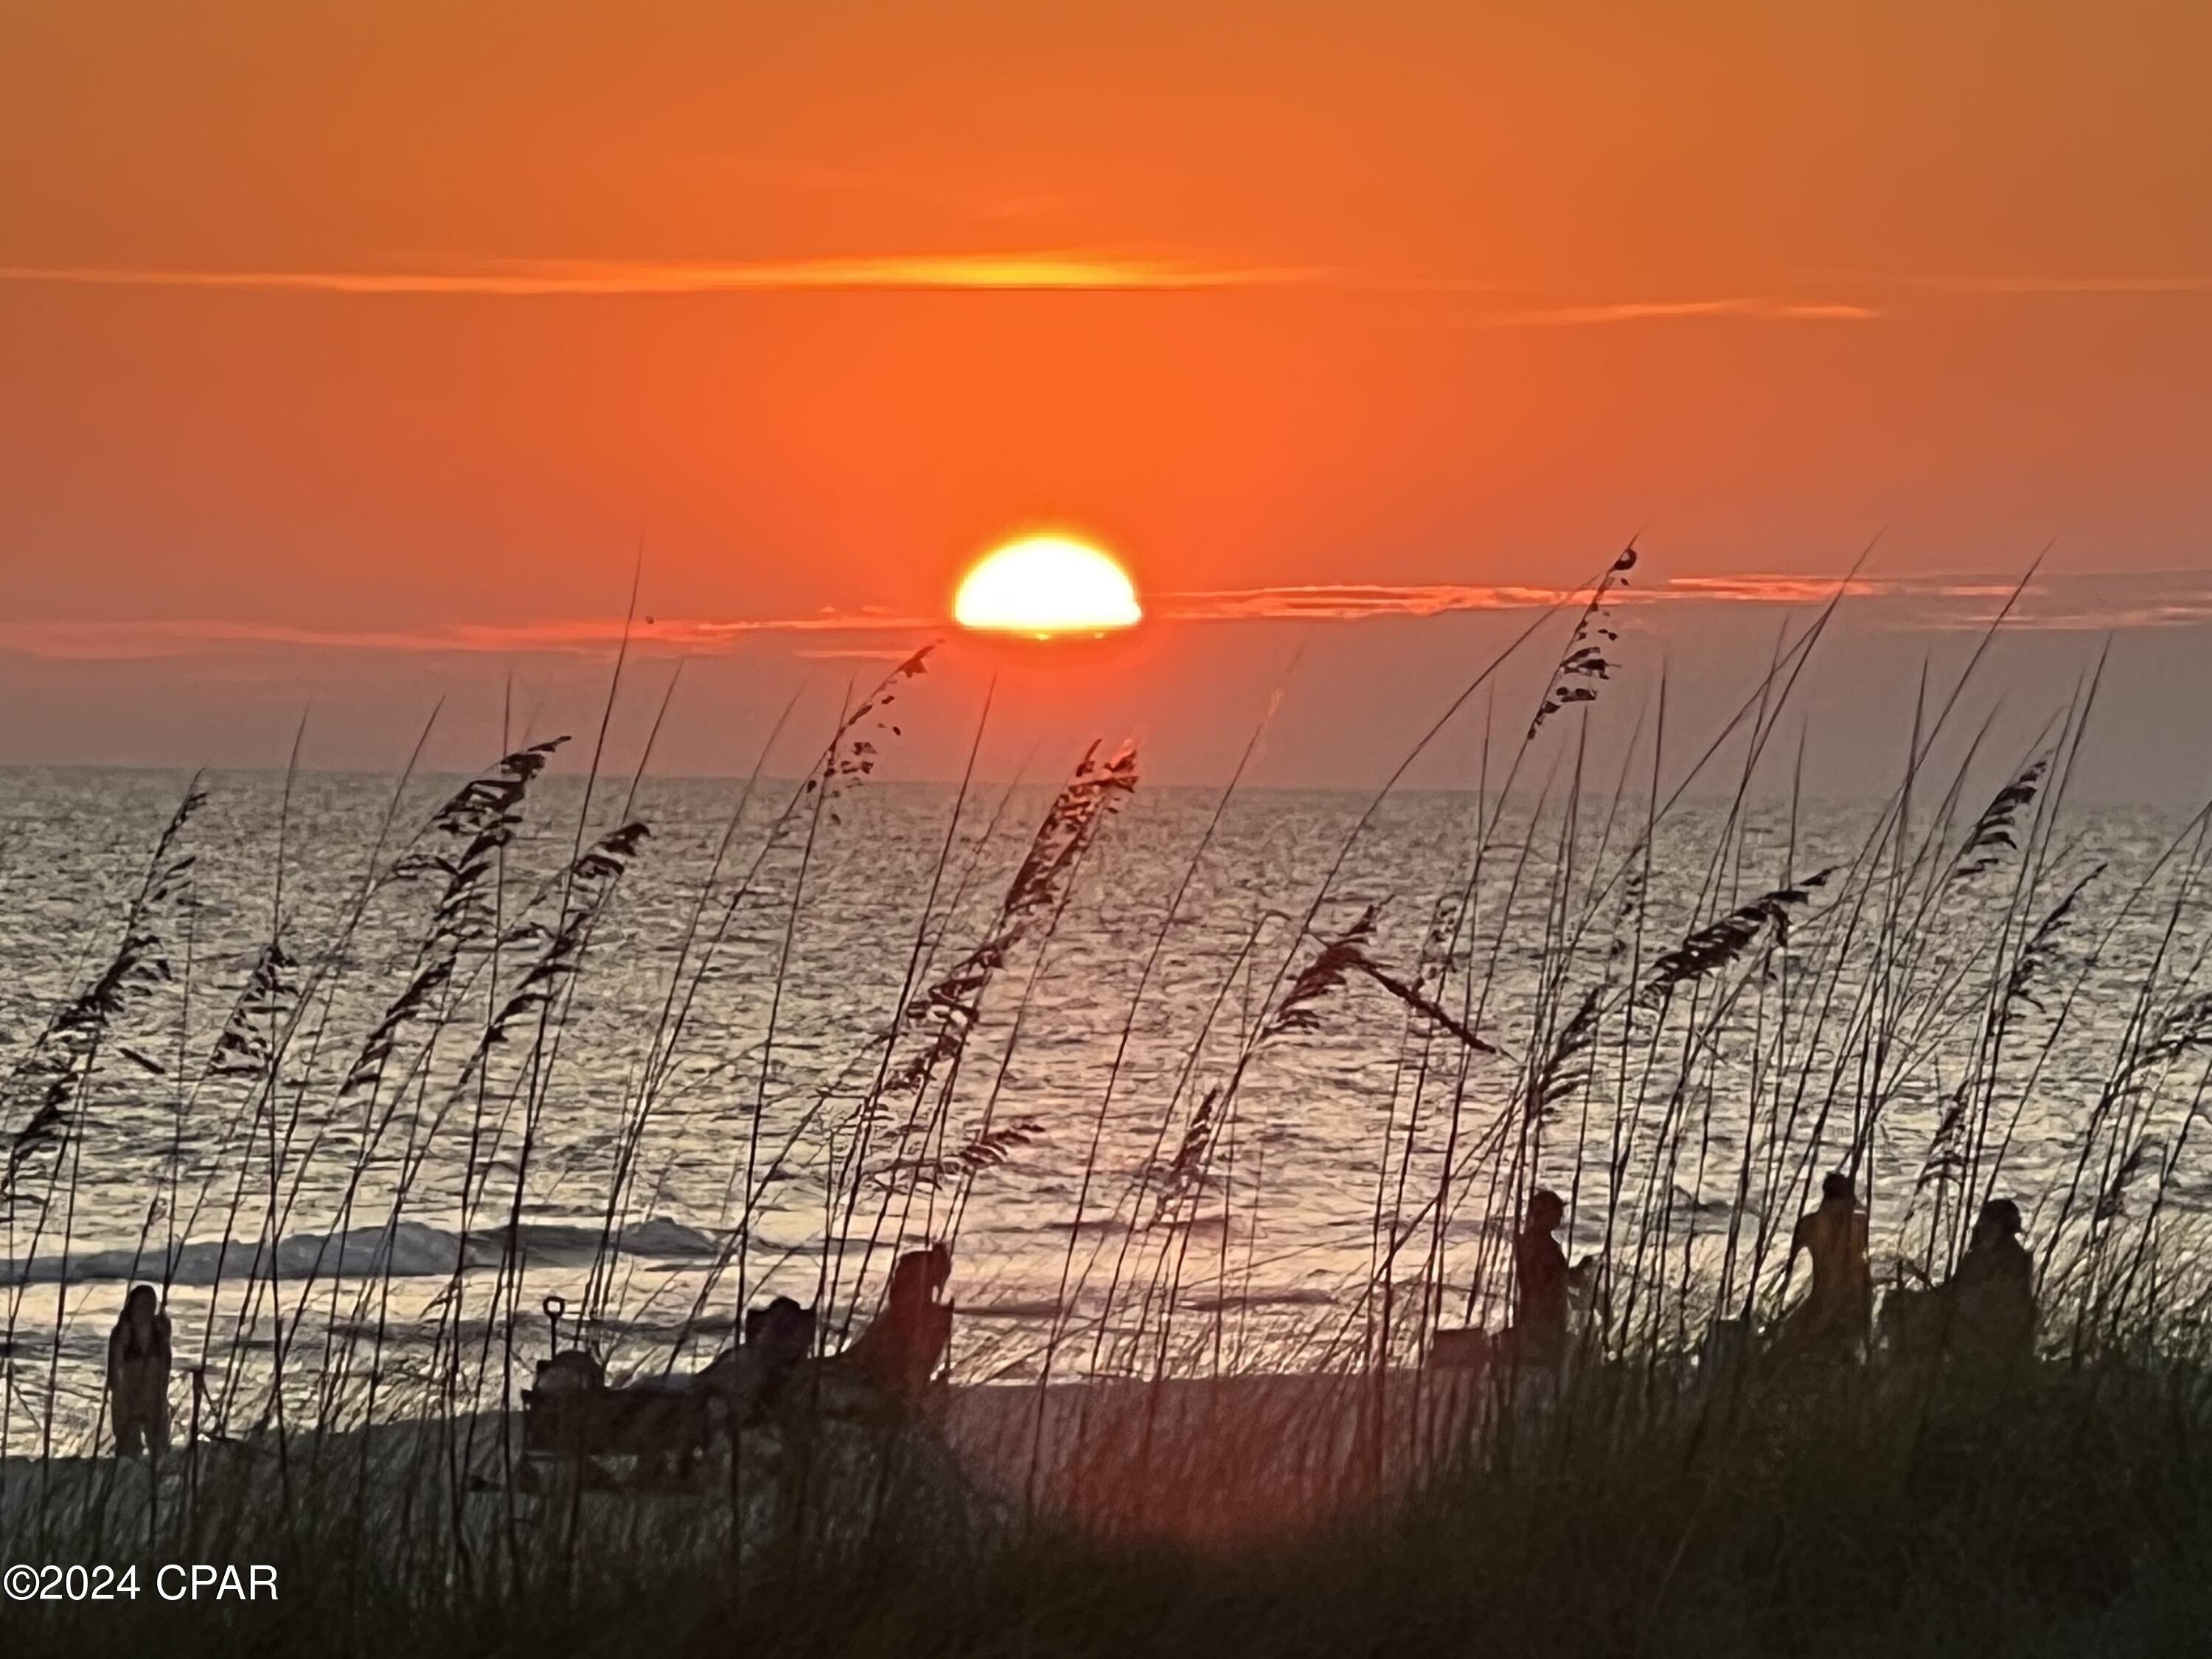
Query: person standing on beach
1833	1320
1545	1283
139	1374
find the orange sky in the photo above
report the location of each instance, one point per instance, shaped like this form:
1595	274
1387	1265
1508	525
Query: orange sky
405	325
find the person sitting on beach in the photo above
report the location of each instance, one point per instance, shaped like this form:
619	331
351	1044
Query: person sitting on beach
1992	1294
754	1377
573	1371
139	1374
1545	1285
1832	1319
898	1354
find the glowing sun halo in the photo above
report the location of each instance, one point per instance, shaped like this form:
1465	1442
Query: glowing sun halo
1045	584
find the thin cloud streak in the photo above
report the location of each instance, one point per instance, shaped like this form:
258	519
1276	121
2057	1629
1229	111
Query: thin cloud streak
97	641
1064	269
1039	271
1354	602
1757	308
1349	601
2155	599
1934	601
912	273
2024	283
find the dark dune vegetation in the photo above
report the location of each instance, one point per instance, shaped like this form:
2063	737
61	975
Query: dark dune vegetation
1636	1502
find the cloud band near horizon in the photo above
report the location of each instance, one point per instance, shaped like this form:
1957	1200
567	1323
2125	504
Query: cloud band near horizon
1067	270
917	272
930	273
1063	271
2146	599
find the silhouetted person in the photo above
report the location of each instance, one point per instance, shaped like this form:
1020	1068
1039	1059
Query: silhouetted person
573	1371
1992	1295
1546	1284
899	1353
755	1377
139	1374
1833	1319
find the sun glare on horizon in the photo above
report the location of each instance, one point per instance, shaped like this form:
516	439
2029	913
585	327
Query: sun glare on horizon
1046	585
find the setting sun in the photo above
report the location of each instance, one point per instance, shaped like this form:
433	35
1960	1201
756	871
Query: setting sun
1043	585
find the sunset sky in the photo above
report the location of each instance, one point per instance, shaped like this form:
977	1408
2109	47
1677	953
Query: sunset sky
351	356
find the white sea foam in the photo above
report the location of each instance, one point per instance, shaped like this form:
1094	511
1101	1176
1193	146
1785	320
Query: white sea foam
411	1250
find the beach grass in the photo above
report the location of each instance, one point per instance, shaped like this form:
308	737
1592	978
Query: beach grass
2061	1509
1151	1484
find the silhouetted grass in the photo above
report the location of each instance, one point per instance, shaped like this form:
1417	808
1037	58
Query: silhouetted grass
2065	1512
1794	1022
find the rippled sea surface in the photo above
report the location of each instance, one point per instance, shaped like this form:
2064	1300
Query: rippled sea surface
705	1087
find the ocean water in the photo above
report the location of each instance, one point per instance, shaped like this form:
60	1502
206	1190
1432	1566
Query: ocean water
695	1119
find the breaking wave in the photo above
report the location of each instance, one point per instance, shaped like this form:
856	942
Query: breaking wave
411	1250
